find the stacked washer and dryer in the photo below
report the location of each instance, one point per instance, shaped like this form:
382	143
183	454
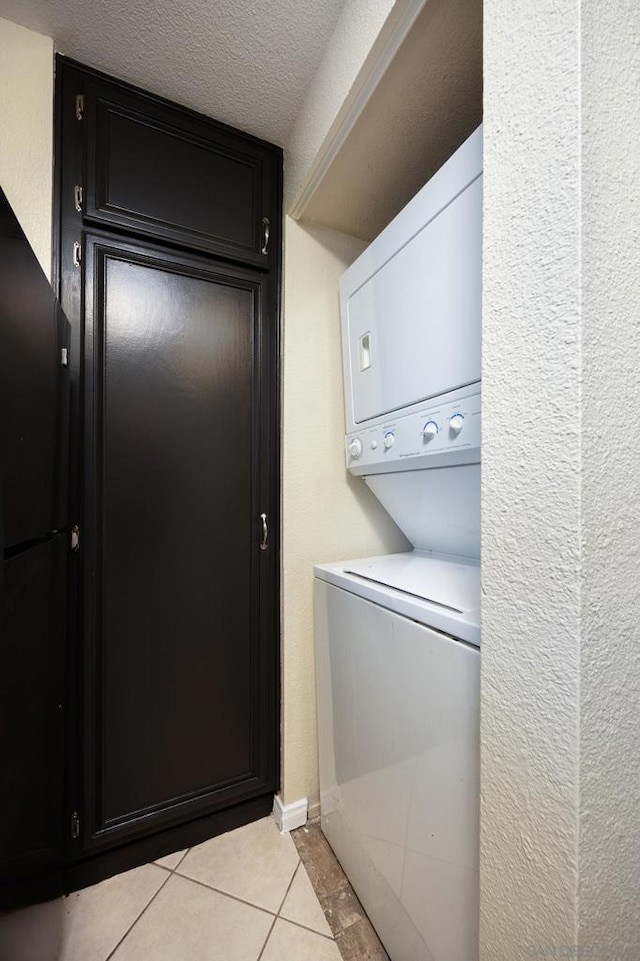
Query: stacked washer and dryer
397	637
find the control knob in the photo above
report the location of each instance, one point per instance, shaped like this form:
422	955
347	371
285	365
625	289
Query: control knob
355	448
429	430
456	423
388	439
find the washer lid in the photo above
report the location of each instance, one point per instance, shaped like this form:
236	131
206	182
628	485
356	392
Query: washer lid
438	591
450	584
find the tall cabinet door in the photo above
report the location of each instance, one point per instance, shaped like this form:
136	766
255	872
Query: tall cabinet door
179	714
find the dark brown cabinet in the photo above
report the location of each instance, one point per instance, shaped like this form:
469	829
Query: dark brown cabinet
31	717
164	173
34	393
175	366
169	254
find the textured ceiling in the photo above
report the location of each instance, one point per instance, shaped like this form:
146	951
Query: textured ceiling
246	63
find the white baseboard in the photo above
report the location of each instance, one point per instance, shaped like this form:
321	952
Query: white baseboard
313	810
289	816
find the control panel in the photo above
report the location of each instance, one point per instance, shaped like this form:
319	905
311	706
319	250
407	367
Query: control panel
436	436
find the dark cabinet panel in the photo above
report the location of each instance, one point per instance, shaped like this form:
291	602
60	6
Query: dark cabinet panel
176	365
32	617
33	391
168	174
34	388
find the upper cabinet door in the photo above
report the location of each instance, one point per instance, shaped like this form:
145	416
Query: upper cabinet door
173	175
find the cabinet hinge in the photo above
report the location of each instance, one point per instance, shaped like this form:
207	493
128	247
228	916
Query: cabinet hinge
75	826
77	254
75	538
78	197
79	106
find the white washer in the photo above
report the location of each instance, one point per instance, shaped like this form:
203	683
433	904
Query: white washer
397	637
398	712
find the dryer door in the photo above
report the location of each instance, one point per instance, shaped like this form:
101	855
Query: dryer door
413	328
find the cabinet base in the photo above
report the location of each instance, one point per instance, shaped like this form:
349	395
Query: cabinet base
81	874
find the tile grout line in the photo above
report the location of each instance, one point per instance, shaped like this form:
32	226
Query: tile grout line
329	937
274	915
297	924
173	871
266	940
164	867
250	904
273	923
225	894
133	924
181	860
289	886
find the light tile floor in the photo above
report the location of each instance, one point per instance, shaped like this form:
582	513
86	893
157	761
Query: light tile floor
243	896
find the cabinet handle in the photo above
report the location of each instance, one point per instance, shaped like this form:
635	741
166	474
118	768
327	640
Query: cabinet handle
265	532
266	224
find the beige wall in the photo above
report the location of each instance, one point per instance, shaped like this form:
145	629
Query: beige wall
327	515
26	132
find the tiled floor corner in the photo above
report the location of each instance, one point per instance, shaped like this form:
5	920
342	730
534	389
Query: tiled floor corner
243	896
96	919
255	863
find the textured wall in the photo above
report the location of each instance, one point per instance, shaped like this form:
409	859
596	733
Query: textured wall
530	479
327	515
26	132
610	678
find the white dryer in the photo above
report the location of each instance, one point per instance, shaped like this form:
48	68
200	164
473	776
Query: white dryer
397	637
